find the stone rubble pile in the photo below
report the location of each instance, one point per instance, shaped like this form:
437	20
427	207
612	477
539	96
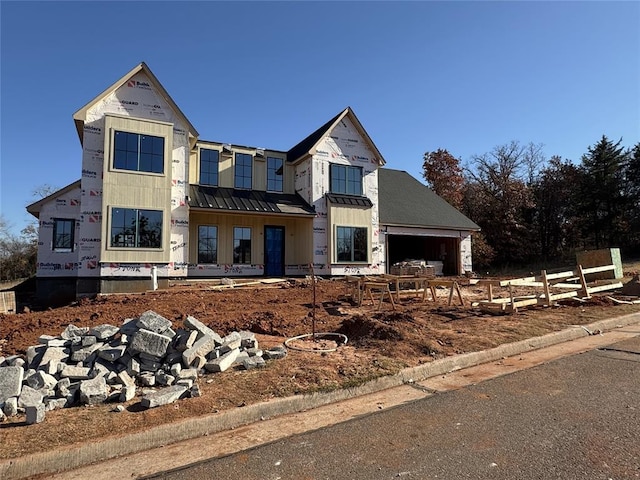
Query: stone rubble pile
144	356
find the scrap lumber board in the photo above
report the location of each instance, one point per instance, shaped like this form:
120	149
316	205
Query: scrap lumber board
8	302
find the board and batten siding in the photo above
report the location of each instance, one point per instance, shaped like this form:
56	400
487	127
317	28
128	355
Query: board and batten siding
140	190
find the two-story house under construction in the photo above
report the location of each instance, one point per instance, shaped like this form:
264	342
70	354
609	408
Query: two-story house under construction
155	201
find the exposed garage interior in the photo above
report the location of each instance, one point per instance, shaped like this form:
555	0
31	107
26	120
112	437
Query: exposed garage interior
429	248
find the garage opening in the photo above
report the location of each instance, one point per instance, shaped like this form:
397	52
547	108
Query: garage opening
410	247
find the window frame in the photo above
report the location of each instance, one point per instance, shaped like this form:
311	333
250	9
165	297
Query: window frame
277	181
352	251
54	246
243	257
135	240
138	152
343	187
209	162
240	171
215	249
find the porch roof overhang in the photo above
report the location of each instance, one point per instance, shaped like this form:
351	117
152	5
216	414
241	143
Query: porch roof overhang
230	200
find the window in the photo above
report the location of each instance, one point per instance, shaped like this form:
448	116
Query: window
133	228
351	244
209	167
243	170
241	245
346	179
275	174
138	152
207	244
63	230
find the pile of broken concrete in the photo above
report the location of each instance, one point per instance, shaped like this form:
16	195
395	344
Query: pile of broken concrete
144	356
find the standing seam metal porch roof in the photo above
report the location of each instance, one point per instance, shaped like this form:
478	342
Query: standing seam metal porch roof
248	201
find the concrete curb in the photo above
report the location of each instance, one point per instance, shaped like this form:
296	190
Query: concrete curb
69	458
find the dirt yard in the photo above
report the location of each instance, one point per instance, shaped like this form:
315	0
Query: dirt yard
379	343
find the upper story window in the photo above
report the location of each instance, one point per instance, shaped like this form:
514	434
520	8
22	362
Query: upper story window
63	230
346	179
243	171
136	228
209	160
275	174
138	152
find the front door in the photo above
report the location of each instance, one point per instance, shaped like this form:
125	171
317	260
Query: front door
273	251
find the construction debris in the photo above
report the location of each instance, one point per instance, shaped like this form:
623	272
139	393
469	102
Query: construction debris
571	283
632	287
108	363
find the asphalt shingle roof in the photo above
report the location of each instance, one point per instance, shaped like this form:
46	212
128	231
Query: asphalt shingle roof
405	201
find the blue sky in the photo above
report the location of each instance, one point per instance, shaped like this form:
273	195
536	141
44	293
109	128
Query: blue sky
465	76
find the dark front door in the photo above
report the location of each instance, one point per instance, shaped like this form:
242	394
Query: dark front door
274	251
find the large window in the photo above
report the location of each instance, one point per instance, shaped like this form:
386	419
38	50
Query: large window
243	170
209	167
63	230
275	174
346	179
242	245
134	228
138	152
207	244
351	244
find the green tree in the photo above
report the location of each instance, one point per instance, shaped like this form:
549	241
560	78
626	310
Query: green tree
603	201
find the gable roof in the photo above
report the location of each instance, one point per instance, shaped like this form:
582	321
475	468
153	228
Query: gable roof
81	115
404	201
35	207
309	144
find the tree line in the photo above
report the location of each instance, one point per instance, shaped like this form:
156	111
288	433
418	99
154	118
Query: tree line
531	209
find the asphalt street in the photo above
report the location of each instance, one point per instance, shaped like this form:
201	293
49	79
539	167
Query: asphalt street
573	418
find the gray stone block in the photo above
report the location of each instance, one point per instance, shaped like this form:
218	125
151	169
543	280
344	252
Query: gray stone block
146	341
129	327
10	408
176	368
201	348
188	373
195	391
230	342
133	367
127	393
111	354
192	323
84	354
164	379
29	397
35	413
169	332
150	366
163	396
146	379
94	391
248	339
16	361
275	353
54	403
125	379
223	363
42	381
10	382
88	340
75	373
254	352
34	355
55	354
58	342
153	322
104	332
185	382
72	332
253	362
